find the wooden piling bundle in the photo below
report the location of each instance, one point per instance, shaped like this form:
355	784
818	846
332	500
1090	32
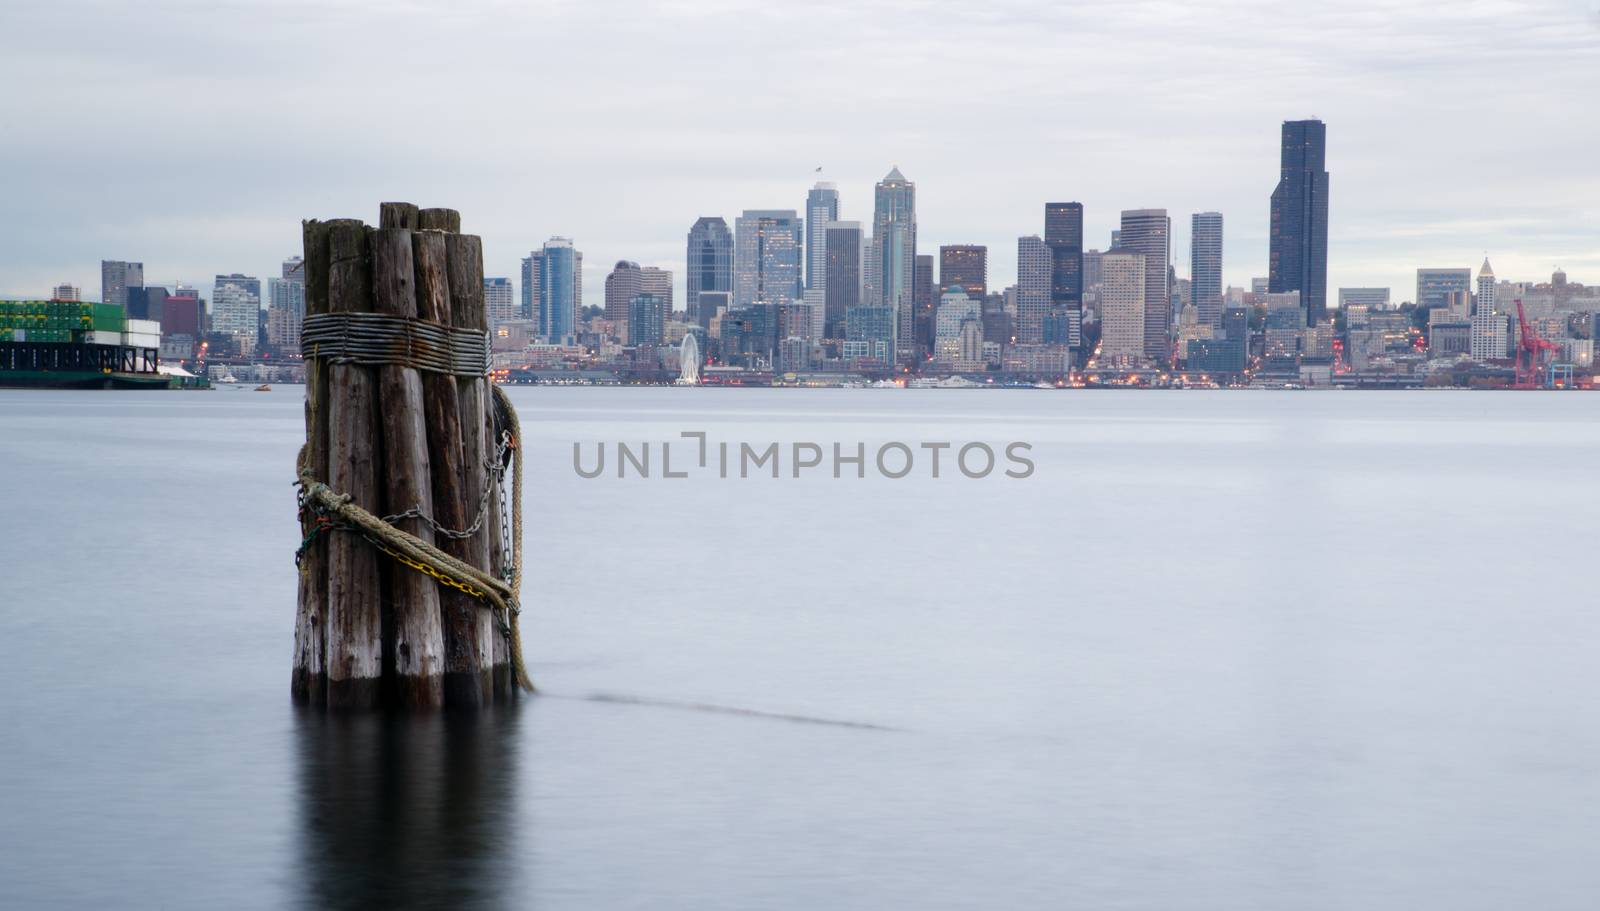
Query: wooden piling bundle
400	423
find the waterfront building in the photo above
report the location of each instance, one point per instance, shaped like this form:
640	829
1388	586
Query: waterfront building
1148	232
1299	239
1205	267
236	309
66	292
709	266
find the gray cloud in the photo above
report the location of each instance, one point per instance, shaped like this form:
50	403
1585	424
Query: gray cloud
194	136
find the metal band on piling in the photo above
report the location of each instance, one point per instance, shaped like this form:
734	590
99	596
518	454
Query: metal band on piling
376	339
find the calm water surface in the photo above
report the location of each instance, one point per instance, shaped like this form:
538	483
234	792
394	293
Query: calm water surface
1222	651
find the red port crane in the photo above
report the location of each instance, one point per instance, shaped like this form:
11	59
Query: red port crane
1530	352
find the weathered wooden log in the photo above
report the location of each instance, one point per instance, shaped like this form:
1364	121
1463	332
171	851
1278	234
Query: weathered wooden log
468	310
418	639
354	646
463	687
308	682
397	215
446	220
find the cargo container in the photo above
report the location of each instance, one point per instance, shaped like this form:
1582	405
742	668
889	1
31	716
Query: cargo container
140	340
143	326
101	337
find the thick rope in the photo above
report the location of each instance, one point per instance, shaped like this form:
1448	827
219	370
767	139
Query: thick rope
514	426
496	594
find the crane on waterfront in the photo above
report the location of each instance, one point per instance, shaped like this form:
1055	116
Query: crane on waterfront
1530	352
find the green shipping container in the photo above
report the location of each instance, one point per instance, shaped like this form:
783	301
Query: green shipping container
106	318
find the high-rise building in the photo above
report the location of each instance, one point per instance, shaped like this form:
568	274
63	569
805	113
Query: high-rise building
286	306
966	265
532	268
869	334
658	281
498	300
623	284
646	319
1123	321
149	301
236	309
1371	298
843	282
65	292
1063	234
1149	232
925	294
822	207
116	277
956	308
1299	244
1205	268
1033	289
894	242
1434	286
766	258
1226	352
289	291
560	291
1488	324
709	265
286	312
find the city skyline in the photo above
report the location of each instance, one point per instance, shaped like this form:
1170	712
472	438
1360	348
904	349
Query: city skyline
212	203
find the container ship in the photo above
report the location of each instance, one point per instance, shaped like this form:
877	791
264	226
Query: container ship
75	345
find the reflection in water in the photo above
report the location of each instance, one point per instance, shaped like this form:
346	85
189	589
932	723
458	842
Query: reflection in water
404	811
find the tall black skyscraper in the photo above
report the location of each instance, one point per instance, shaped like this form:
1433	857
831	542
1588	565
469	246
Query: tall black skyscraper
1300	218
710	265
1063	234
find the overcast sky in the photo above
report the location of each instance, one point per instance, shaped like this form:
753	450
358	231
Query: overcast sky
195	136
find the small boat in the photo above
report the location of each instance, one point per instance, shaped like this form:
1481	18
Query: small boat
263	388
